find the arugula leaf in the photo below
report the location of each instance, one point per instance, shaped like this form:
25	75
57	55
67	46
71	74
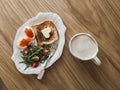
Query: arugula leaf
36	50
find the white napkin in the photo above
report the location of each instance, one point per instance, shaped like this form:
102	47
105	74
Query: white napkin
40	17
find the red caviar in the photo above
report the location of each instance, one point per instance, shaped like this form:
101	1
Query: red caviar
24	42
29	32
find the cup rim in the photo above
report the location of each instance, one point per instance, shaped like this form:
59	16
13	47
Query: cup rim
70	49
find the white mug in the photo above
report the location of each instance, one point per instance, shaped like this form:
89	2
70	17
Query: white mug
84	47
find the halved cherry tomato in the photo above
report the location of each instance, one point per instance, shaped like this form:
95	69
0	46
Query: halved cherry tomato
30	49
46	51
25	51
34	64
36	58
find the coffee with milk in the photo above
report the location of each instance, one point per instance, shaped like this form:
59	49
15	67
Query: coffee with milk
83	47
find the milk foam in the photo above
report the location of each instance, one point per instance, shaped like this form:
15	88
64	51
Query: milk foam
83	46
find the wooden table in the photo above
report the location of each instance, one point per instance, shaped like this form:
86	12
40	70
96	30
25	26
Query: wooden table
100	18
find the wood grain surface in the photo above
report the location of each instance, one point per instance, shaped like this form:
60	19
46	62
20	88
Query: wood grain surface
100	18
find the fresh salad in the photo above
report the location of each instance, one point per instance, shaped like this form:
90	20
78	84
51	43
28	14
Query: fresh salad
34	55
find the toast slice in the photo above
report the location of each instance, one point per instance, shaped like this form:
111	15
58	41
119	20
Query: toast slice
40	36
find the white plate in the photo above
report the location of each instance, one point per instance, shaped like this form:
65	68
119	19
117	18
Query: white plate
40	17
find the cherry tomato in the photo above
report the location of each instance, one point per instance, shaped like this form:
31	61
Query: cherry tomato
46	51
34	64
25	51
36	58
30	49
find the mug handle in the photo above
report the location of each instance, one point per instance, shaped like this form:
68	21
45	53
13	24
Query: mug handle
96	60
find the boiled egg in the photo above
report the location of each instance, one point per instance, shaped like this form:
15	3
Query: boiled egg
29	33
24	42
26	36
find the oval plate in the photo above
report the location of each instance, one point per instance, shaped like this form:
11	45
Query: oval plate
40	17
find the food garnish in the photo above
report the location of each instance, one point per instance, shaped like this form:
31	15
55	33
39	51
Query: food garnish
24	42
29	33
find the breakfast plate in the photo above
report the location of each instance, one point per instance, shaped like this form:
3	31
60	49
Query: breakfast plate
58	44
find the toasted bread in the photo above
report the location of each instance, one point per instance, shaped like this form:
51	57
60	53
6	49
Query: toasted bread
39	35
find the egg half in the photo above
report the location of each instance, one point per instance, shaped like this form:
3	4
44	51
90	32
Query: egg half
26	37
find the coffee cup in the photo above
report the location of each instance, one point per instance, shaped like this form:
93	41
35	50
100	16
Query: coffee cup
84	47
